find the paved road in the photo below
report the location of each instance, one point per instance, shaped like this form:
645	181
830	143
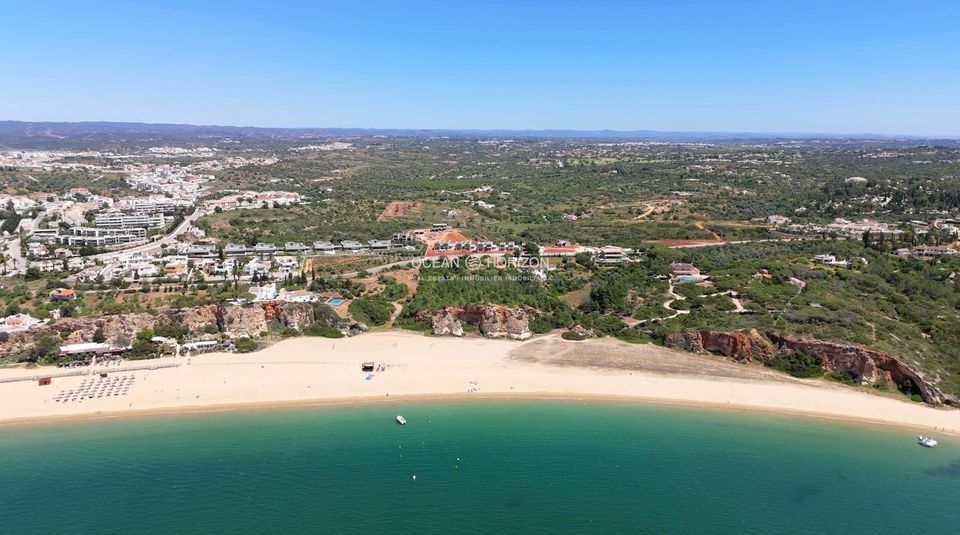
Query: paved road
169	239
16	262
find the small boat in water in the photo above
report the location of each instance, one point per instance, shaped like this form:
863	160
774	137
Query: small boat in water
401	420
926	442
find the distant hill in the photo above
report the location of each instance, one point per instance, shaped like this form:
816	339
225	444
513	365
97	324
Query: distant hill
20	134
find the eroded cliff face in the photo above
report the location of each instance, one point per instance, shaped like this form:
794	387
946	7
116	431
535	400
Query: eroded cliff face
232	320
253	319
197	318
118	329
244	320
868	366
493	321
738	345
293	315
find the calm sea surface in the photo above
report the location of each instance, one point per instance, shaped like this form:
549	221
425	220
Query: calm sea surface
524	467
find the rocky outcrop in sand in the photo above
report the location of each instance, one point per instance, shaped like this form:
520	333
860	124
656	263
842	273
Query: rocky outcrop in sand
503	322
868	366
492	321
446	322
580	332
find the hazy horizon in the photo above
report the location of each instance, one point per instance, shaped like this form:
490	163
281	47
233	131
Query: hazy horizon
557	132
814	68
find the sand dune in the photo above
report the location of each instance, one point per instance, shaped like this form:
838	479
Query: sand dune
310	370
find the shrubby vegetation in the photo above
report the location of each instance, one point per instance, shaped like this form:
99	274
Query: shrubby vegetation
443	287
374	310
245	345
377	309
797	364
322	330
722	185
904	306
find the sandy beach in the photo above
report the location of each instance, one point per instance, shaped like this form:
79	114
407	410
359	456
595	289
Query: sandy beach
319	370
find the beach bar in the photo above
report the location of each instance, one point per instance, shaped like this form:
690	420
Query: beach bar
201	346
91	347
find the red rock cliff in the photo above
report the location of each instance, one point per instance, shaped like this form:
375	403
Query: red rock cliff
738	345
869	366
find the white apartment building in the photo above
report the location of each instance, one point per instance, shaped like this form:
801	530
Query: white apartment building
122	220
80	236
351	246
235	249
324	247
152	205
611	255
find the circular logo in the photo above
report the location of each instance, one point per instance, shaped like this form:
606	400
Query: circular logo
474	263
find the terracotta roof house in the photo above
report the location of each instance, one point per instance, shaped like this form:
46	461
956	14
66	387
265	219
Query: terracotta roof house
63	294
679	269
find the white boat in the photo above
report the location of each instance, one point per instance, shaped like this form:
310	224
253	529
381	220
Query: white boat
401	420
926	442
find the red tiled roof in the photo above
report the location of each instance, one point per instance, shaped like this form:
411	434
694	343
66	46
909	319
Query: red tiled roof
434	252
561	249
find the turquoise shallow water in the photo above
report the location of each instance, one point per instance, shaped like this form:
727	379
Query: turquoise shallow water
525	467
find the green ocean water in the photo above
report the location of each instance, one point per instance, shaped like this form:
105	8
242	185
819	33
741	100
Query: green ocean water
524	467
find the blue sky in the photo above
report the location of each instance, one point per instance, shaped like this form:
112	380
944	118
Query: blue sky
823	67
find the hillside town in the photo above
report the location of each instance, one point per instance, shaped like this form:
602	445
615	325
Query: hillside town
151	235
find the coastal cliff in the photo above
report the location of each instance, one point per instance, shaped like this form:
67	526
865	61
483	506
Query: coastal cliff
492	321
249	320
231	320
118	329
868	366
737	345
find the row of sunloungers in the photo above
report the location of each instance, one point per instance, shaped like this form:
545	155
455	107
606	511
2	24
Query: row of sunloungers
97	388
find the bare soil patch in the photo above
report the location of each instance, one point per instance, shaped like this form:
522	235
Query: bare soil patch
397	209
